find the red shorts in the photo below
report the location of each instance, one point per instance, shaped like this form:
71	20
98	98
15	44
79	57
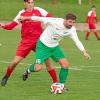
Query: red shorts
92	26
24	49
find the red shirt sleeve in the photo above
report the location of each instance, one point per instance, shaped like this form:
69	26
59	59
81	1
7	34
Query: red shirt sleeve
10	26
49	15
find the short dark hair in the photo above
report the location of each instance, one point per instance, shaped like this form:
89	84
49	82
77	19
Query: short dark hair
70	16
93	6
25	0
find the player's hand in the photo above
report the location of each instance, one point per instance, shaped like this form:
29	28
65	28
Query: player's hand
2	26
22	18
86	55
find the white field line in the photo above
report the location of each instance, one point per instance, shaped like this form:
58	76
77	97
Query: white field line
72	67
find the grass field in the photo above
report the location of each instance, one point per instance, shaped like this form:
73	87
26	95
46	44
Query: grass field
84	76
10	8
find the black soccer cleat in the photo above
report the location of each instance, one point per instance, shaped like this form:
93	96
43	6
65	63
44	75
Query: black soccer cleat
65	89
98	39
25	75
4	80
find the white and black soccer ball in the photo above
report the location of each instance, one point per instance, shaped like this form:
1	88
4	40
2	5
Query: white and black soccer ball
57	88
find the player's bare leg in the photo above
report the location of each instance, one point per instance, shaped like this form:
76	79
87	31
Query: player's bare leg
34	68
10	69
51	70
87	34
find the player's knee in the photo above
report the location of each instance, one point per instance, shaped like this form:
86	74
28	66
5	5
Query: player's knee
38	67
64	63
14	64
49	68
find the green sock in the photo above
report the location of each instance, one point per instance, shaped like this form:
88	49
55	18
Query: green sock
31	68
63	75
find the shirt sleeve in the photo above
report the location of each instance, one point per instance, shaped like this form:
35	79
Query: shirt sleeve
76	40
10	26
45	20
16	19
89	13
43	12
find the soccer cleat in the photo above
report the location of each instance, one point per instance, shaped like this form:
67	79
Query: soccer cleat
65	89
98	39
25	75
4	80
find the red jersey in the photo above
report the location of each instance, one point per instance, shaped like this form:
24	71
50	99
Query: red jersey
30	30
91	16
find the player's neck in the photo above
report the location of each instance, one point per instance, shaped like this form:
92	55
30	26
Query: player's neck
29	10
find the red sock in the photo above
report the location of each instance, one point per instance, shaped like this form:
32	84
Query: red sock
87	35
96	34
53	75
9	71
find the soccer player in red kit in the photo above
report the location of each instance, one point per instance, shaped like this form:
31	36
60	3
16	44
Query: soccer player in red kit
90	20
30	32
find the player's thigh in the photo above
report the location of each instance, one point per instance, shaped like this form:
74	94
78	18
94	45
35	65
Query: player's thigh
23	49
42	52
92	26
49	65
94	30
57	54
16	60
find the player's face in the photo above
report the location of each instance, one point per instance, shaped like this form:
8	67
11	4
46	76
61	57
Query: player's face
94	9
69	23
29	5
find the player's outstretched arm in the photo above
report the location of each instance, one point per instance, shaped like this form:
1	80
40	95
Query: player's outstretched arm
9	26
22	18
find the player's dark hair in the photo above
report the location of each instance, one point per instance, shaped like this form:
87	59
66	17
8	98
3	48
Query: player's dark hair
93	6
70	16
25	0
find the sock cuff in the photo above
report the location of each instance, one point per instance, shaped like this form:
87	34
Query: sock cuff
64	68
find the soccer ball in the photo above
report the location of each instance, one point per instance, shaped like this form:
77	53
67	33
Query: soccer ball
57	88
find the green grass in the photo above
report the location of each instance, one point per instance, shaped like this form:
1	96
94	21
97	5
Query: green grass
83	81
84	76
10	8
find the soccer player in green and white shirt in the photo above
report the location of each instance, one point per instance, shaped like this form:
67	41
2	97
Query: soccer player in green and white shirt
48	44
